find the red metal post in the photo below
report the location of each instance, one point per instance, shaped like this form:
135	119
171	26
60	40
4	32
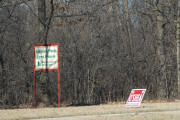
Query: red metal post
59	92
59	89
35	92
35	96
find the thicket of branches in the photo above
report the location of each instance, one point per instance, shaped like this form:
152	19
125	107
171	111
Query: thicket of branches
108	47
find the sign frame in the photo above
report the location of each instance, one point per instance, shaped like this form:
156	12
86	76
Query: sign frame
140	93
58	70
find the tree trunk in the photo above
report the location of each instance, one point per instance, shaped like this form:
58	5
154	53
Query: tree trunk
43	79
161	58
129	44
178	47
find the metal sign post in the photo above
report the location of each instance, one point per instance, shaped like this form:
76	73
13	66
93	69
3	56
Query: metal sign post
46	58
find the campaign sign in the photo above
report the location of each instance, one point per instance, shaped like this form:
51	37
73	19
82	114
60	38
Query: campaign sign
135	98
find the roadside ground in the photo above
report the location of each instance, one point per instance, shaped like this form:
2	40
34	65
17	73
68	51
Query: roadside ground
116	111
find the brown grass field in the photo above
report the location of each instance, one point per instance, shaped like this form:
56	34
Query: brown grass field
147	111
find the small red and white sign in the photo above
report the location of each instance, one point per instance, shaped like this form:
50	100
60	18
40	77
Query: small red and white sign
135	98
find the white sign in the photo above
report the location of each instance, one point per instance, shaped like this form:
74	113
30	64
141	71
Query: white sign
46	57
135	97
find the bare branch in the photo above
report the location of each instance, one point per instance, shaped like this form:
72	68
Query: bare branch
87	13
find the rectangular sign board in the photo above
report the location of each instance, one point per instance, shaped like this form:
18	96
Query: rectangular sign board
46	57
135	98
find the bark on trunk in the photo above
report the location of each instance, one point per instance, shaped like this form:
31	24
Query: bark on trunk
130	44
178	47
161	54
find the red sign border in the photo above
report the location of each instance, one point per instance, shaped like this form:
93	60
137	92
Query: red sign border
58	70
38	45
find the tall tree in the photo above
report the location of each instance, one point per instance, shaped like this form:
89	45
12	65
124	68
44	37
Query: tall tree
161	55
178	46
44	23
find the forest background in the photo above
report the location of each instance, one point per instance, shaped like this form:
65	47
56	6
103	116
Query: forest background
107	48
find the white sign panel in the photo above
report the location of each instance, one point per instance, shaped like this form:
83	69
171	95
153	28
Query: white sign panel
46	57
135	97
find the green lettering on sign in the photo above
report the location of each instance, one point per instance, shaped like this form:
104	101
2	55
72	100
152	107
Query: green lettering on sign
44	51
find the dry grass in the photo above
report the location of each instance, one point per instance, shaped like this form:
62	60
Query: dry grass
21	114
162	116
